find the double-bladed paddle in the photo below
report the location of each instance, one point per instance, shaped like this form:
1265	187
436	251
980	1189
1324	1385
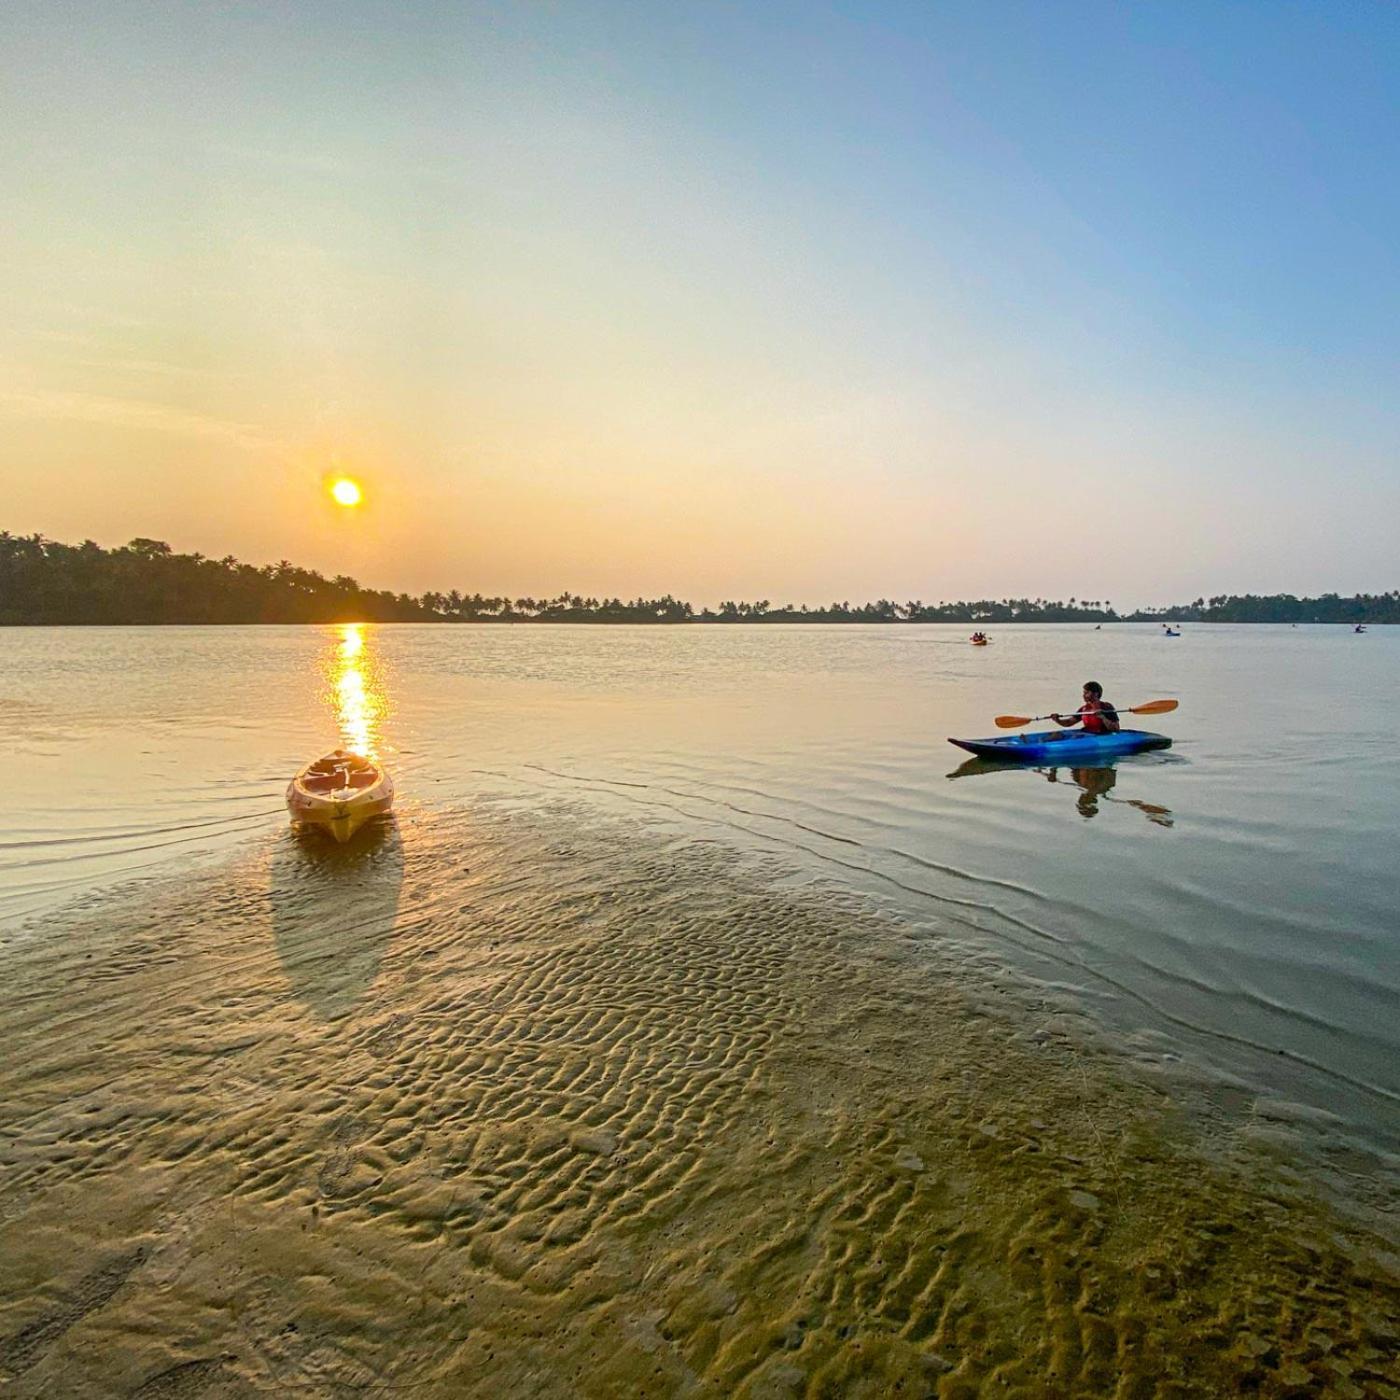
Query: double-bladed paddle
1153	707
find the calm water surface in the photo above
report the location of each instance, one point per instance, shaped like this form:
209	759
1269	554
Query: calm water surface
1232	904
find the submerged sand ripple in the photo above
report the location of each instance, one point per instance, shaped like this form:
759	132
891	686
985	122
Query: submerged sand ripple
508	1105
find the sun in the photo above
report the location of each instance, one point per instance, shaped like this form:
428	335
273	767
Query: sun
346	492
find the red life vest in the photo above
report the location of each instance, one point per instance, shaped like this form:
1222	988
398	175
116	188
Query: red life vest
1093	716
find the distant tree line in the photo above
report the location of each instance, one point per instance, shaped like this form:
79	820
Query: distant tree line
145	581
1280	607
42	581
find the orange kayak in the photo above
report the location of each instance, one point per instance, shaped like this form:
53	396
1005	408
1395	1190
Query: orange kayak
339	793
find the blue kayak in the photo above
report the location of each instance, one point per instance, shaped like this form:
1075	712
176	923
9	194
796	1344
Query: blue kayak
1064	746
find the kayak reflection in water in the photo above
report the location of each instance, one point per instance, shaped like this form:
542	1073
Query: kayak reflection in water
1096	714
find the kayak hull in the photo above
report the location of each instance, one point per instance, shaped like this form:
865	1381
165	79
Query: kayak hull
339	811
1064	746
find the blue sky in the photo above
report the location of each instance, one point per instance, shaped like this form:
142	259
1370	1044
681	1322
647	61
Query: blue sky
761	300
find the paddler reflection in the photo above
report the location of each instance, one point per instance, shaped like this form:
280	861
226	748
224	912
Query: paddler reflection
1096	784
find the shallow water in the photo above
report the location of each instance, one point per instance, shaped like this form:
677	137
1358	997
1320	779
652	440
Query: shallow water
1233	901
700	1025
509	1103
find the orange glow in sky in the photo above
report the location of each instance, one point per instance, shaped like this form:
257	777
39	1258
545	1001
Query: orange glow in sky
629	337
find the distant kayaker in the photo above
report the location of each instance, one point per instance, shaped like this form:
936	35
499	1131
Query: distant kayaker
1096	714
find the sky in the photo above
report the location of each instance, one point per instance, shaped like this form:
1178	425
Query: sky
790	301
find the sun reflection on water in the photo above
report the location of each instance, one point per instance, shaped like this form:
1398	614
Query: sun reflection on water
358	693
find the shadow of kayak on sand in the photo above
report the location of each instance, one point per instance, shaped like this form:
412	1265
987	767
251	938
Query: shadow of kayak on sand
1094	782
333	913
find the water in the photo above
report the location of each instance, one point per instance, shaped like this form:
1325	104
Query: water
700	1024
1231	901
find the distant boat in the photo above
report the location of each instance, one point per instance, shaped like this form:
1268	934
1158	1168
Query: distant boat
1170	633
339	793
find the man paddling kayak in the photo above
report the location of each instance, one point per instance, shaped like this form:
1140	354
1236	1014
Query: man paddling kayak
1096	714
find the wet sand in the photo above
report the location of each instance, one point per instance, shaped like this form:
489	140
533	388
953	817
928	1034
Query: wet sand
498	1104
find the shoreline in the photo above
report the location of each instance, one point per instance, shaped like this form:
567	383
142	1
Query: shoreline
1097	624
582	1110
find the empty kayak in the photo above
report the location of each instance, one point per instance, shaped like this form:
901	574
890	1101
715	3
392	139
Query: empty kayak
339	793
1067	746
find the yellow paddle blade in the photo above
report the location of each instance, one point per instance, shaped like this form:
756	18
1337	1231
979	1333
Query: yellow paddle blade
1013	721
1155	707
